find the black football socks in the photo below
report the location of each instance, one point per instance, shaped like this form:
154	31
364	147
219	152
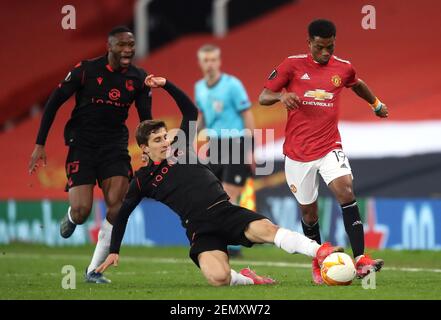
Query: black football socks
353	227
312	232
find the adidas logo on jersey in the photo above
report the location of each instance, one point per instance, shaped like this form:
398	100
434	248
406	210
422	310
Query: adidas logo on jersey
305	77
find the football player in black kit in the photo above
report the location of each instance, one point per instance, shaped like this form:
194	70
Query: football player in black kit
97	136
174	177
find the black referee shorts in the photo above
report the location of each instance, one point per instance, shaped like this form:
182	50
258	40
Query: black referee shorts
228	159
87	165
235	174
224	224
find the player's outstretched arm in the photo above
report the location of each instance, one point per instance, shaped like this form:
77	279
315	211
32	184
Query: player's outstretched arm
289	99
64	91
57	98
143	104
131	200
362	90
39	154
188	109
111	260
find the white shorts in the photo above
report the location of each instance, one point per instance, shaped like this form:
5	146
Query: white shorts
302	177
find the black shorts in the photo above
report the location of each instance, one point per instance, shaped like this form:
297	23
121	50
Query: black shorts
224	224
229	165
86	165
236	174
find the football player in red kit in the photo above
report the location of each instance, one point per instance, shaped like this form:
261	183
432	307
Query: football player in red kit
313	83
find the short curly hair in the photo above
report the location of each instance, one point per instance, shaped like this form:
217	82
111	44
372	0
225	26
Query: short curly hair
322	28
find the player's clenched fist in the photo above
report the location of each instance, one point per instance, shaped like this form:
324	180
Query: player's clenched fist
154	82
290	100
383	112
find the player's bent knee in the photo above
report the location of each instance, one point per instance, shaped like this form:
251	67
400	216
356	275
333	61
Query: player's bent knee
80	213
215	268
112	212
346	195
218	279
114	204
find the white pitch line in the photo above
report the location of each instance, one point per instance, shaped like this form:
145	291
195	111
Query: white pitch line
54	274
279	264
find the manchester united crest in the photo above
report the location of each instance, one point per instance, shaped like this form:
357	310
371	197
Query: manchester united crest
336	80
293	188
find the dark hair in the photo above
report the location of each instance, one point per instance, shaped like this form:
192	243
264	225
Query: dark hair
145	129
119	29
321	28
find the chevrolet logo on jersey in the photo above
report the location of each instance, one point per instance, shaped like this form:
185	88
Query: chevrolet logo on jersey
319	94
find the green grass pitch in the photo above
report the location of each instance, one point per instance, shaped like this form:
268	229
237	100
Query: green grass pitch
166	273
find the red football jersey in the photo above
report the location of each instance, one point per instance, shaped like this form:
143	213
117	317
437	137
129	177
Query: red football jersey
312	130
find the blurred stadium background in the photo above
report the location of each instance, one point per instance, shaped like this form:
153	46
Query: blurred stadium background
396	163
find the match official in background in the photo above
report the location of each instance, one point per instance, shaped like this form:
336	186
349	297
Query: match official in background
225	111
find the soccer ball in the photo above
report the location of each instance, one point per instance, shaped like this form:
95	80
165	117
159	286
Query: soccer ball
338	269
